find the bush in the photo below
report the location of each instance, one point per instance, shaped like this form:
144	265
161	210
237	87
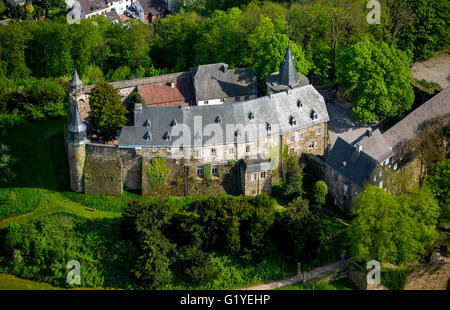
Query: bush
40	251
394	279
319	192
15	201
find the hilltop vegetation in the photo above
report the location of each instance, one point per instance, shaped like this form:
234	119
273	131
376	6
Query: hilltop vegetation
38	58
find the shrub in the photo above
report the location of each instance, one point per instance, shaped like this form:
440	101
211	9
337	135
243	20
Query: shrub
394	279
319	192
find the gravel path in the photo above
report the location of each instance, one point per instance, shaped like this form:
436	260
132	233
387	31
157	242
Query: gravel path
315	273
436	69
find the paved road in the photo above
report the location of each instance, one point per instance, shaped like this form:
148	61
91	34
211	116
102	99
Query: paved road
315	273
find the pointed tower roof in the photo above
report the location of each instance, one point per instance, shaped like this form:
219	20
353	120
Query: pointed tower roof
75	82
288	75
76	125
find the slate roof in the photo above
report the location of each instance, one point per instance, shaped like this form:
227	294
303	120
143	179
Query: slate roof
112	16
163	93
276	110
376	146
76	125
408	127
75	81
255	165
215	81
90	6
358	165
154	7
288	74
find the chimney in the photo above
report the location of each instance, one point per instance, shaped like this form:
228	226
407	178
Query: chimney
359	147
344	164
172	84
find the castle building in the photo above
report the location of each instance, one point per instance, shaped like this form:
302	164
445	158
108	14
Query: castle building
208	146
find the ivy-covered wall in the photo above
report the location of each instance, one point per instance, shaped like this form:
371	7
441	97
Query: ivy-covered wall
102	171
166	176
162	176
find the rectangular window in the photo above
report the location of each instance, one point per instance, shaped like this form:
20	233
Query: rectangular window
222	100
169	149
302	135
311	144
206	102
231	151
213	152
247	97
155	149
200	171
215	170
319	131
253	177
196	154
265	146
237	99
292	138
263	175
247	149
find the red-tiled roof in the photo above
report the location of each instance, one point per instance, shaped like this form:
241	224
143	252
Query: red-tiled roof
163	94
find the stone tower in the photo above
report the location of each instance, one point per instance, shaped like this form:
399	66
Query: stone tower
287	78
76	137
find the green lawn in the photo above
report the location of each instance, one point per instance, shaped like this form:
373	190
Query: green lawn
342	284
10	282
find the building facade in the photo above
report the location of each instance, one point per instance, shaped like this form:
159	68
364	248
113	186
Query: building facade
236	146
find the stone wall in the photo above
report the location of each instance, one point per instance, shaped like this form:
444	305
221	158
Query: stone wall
340	188
102	170
255	187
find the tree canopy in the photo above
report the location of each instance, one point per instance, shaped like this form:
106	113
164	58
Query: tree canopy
377	78
395	229
107	110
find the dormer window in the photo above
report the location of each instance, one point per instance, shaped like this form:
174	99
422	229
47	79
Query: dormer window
251	116
314	115
237	133
343	164
268	127
166	137
292	121
218	120
148	136
148	124
299	103
173	123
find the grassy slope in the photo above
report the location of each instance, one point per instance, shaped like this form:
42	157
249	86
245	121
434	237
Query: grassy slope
10	282
342	284
43	166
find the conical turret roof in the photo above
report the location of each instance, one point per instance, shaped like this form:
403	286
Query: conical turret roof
75	82
288	74
76	125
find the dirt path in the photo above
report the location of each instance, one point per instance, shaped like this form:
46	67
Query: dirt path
315	273
436	69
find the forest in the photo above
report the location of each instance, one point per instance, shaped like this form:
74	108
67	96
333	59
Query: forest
38	58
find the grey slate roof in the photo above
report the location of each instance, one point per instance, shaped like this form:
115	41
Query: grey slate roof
235	124
76	125
214	81
376	146
255	165
408	127
75	82
358	165
288	74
